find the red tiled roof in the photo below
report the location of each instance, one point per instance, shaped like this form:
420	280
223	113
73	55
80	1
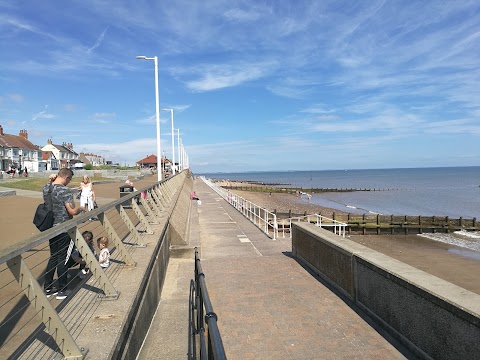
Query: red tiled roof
151	159
15	141
46	155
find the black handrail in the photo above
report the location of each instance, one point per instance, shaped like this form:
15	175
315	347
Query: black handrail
200	304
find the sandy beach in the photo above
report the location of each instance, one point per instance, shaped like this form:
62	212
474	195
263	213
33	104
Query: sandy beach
446	261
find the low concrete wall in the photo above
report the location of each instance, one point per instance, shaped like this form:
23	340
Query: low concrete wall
433	318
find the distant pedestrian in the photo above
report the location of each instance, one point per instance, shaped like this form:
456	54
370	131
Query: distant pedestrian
104	256
193	195
25	172
11	170
64	209
130	183
87	195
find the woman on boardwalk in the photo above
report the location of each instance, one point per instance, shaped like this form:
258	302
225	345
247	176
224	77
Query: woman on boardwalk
87	195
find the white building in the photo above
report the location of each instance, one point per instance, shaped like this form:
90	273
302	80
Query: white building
64	153
18	151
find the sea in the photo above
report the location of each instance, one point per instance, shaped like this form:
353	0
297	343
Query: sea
439	191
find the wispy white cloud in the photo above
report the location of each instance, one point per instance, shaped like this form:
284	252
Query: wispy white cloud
104	115
181	108
70	107
213	77
98	42
318	109
43	114
104	118
117	151
240	15
152	119
11	98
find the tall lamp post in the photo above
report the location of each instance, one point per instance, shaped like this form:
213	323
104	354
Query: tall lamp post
173	141
178	152
157	112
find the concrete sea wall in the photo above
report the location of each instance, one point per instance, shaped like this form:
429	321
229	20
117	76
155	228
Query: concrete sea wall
431	317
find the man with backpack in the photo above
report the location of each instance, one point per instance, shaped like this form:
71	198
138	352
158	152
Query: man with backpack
63	207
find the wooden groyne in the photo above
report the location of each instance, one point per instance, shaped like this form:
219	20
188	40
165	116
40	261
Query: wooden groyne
376	224
295	190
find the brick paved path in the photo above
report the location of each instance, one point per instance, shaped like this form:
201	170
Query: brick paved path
268	305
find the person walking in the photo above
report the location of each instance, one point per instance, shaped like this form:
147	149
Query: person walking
87	195
63	207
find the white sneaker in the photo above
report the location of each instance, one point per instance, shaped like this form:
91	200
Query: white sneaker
83	273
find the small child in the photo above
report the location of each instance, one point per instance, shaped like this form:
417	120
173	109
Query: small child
75	258
104	256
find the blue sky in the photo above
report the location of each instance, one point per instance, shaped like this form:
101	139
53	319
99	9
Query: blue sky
255	85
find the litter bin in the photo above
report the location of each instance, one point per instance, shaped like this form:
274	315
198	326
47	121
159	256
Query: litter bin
125	190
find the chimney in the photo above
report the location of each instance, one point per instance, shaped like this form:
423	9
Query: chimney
70	146
49	141
24	134
1	130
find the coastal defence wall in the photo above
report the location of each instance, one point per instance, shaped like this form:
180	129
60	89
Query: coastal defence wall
433	318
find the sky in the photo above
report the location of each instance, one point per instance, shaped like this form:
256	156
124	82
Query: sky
255	85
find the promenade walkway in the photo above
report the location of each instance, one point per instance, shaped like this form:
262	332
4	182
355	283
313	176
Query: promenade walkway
268	305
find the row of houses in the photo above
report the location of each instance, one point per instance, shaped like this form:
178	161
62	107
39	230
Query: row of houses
17	151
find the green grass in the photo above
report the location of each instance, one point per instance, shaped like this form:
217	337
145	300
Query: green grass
37	184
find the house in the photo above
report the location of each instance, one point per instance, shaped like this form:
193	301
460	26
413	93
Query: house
64	153
151	162
95	160
18	151
51	161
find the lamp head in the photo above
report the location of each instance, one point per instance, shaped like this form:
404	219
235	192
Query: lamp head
141	57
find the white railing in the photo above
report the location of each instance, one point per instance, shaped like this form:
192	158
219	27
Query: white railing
285	226
267	221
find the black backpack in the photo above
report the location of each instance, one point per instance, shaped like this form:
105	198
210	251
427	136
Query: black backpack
43	218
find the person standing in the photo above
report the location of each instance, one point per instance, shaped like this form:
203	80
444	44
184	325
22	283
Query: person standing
63	207
11	170
87	195
104	256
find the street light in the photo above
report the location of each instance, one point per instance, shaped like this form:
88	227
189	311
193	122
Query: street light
178	144
157	112
173	141
180	152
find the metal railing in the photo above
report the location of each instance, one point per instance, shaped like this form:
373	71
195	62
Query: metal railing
36	326
202	320
265	220
335	226
268	221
